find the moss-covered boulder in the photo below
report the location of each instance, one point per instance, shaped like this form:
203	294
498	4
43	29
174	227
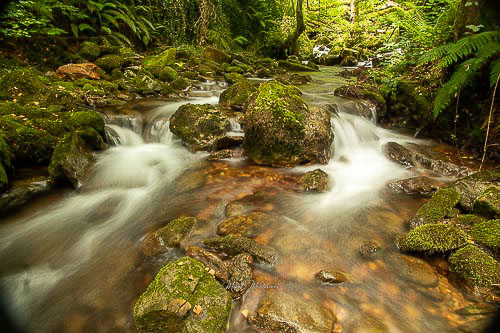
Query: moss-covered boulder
281	130
110	62
216	55
475	266
232	78
488	203
74	155
180	83
237	94
474	185
183	298
170	235
433	238
438	206
233	245
487	233
470	219
199	126
22	85
86	119
159	65
89	50
295	66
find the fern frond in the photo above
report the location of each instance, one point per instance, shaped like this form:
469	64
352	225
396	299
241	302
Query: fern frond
494	71
435	53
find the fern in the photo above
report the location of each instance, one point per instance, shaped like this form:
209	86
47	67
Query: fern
494	71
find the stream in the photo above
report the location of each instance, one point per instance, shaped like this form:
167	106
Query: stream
72	261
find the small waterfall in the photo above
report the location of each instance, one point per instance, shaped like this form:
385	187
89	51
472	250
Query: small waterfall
235	128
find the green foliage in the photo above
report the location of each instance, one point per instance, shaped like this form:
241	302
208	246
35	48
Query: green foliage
479	48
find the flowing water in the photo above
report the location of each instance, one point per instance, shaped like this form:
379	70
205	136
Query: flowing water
72	262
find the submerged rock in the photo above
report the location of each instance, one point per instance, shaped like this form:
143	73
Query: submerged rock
237	94
368	324
316	180
284	311
281	130
433	238
487	233
414	270
212	261
199	126
170	235
183	297
488	203
21	192
78	71
475	266
474	185
438	207
369	248
414	186
330	277
241	272
246	225
233	245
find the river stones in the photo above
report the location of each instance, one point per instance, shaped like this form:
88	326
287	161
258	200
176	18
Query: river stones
211	260
438	207
199	126
413	270
183	297
414	186
281	130
170	235
330	277
241	272
237	94
286	311
474	185
475	266
22	191
313	181
433	238
369	249
233	245
246	225
488	203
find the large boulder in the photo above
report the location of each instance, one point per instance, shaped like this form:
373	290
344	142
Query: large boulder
283	311
199	126
183	297
432	238
78	71
159	65
237	94
281	130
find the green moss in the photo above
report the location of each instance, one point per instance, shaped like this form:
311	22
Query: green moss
432	238
89	50
4	180
470	219
110	62
488	203
86	119
232	78
487	232
180	84
23	84
234	69
440	204
184	280
237	94
176	230
191	75
475	266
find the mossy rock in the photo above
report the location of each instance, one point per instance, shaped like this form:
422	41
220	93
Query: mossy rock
176	230
296	67
281	130
216	55
438	207
487	233
23	84
158	66
87	119
199	126
191	75
232	78
470	219
237	94
180	83
74	155
488	203
475	266
183	298
110	62
89	50
433	238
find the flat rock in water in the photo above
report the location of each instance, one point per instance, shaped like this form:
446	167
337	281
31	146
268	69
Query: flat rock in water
246	225
414	186
316	180
241	271
233	245
414	270
283	311
330	277
211	260
183	297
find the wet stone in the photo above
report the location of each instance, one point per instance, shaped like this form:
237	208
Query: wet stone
233	245
473	186
413	186
223	154
22	192
369	248
241	271
413	270
284	311
316	181
211	260
246	225
229	141
330	277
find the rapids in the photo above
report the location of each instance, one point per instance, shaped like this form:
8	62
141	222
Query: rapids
74	263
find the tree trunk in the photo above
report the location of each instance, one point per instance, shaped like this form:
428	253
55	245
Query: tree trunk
291	42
